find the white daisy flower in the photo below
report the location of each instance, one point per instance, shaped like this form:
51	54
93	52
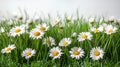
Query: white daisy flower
55	22
36	33
29	21
76	52
49	41
96	30
96	53
8	49
65	42
28	52
104	25
84	35
91	20
111	18
42	27
17	15
17	31
110	29
55	52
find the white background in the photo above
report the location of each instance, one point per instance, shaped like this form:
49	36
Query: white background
86	7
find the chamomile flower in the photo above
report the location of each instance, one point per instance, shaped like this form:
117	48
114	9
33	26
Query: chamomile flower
84	36
65	42
110	29
17	15
17	31
91	20
104	25
49	41
76	52
55	52
55	21
96	53
28	52
36	33
42	27
8	49
96	30
111	18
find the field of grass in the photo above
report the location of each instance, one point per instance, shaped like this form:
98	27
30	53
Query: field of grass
58	30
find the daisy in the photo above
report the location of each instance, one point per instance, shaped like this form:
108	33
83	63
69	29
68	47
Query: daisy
49	41
91	20
17	15
29	21
76	52
104	25
96	53
96	30
8	49
111	19
65	42
28	52
17	31
55	22
42	27
110	29
55	52
84	35
36	33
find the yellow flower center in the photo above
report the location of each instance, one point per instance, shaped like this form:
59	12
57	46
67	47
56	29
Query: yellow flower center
8	49
28	53
37	33
17	30
55	53
76	52
84	36
110	31
42	28
65	43
96	53
96	30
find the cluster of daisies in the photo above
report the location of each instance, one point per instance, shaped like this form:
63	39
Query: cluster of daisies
38	32
56	52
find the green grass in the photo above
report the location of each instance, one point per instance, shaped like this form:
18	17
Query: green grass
110	44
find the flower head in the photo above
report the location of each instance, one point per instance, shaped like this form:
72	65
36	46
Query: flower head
42	27
28	52
55	52
8	49
110	29
76	53
36	33
17	31
84	35
96	53
65	42
96	30
49	41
